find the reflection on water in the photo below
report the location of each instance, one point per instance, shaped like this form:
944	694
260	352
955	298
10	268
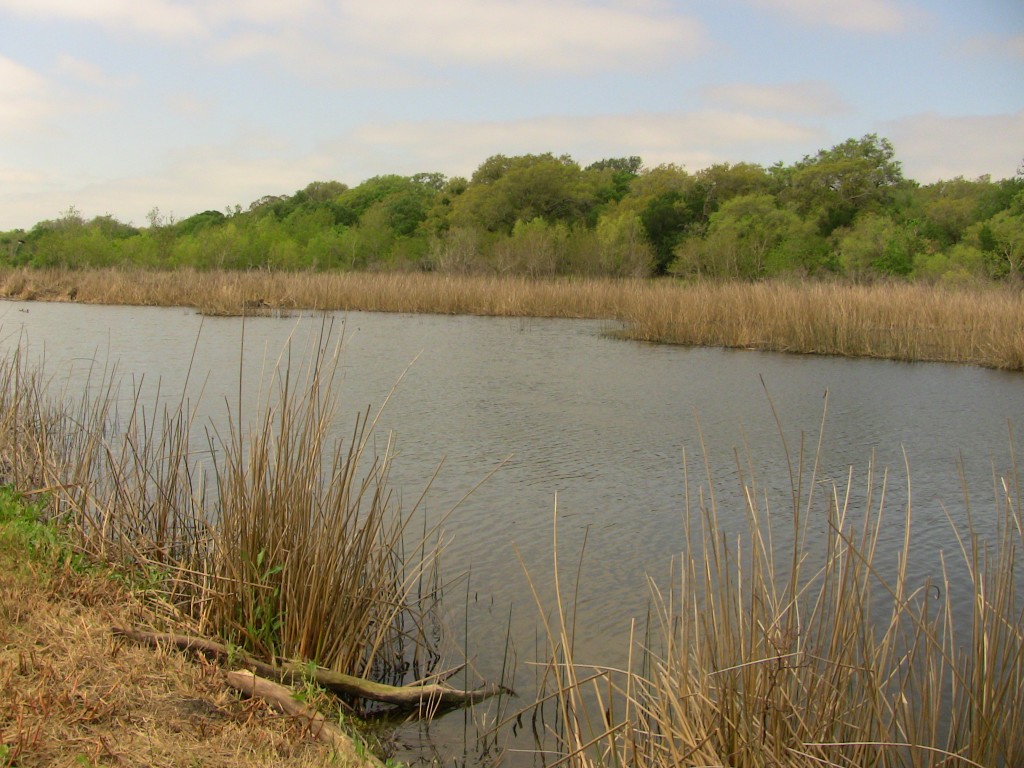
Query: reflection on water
596	425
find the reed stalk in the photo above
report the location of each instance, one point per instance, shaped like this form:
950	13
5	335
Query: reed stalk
280	538
783	647
978	325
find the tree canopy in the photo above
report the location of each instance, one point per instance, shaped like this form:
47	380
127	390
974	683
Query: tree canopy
845	211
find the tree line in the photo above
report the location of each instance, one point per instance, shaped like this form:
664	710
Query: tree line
845	211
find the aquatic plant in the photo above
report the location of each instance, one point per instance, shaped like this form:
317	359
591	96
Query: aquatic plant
277	536
782	646
978	324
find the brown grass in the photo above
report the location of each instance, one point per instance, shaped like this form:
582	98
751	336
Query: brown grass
775	649
293	549
71	695
981	325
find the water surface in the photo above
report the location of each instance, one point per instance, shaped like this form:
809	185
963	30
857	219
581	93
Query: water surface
597	426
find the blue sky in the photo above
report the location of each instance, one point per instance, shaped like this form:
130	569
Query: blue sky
121	106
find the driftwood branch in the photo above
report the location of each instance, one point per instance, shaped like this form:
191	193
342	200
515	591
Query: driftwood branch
427	695
283	700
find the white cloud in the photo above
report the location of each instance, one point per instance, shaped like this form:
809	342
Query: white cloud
25	97
91	74
189	105
691	139
810	97
161	18
1011	47
876	16
186	182
561	35
261	12
391	41
196	178
933	146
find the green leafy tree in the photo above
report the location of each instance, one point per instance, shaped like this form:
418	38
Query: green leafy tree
624	249
1002	239
198	222
746	238
719	183
837	183
458	250
666	219
877	245
506	190
946	209
614	176
668	201
960	264
534	248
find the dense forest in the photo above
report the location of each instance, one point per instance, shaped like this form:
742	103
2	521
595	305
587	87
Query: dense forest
845	211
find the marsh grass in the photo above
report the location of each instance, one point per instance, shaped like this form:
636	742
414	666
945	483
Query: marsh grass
280	538
981	325
782	647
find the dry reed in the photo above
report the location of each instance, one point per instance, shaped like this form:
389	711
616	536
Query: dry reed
297	551
783	649
981	325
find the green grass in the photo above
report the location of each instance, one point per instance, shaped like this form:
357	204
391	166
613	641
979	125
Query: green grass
29	536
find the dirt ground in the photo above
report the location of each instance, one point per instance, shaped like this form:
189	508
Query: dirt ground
73	695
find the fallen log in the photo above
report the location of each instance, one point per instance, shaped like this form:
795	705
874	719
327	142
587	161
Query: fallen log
427	695
283	700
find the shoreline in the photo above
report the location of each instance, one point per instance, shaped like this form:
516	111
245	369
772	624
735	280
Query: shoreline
973	325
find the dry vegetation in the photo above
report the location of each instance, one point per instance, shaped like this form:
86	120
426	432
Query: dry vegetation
800	649
283	543
72	695
982	325
761	653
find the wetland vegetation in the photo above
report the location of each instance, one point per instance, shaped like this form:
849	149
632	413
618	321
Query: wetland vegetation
973	324
796	650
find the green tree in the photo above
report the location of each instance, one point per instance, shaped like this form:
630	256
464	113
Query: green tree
877	245
746	238
666	219
719	183
836	184
199	221
615	176
1002	239
506	190
534	248
623	247
946	209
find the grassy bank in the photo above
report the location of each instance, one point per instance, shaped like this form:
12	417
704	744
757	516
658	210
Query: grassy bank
278	540
72	696
979	325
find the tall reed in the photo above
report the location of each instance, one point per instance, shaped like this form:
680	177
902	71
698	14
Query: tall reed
982	324
296	549
783	647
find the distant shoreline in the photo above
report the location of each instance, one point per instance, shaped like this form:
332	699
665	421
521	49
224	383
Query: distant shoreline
979	324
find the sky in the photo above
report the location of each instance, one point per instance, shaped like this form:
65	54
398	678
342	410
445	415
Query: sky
121	107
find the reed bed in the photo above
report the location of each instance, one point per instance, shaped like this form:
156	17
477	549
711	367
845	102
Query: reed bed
279	538
981	326
978	325
776	648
